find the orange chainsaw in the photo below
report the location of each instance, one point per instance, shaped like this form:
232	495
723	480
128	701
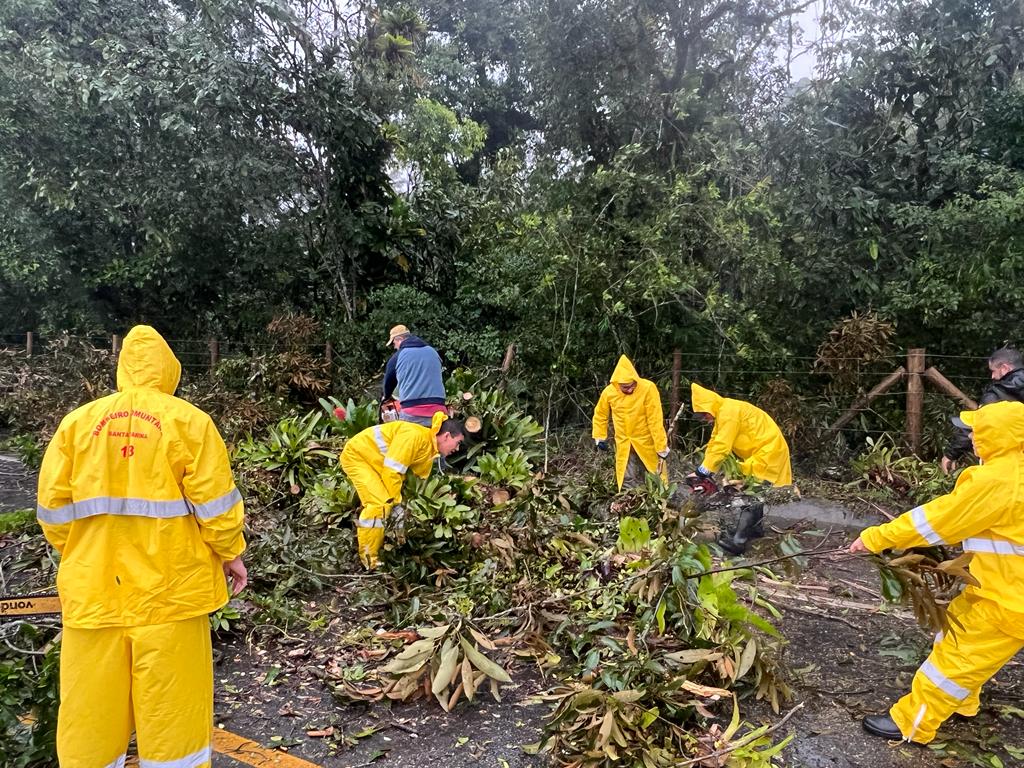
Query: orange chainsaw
29	605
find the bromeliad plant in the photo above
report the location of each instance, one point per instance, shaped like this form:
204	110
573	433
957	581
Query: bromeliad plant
332	499
505	468
294	448
349	418
504	424
442	513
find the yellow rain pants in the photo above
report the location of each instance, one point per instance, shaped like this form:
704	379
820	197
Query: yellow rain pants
985	515
637	418
156	678
377	503
961	662
956	611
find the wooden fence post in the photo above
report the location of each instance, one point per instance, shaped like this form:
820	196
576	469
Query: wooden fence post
30	338
948	387
915	397
858	405
214	353
115	345
677	370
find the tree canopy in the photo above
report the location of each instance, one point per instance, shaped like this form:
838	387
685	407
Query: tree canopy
581	178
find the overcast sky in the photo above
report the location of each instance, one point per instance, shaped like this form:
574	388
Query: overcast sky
804	60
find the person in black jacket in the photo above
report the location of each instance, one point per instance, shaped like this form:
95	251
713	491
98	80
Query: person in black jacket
1007	369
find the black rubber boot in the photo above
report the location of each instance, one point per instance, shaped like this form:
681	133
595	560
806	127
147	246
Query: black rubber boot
749	526
882	725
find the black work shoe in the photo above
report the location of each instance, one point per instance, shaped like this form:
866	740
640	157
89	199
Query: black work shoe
726	542
749	526
882	725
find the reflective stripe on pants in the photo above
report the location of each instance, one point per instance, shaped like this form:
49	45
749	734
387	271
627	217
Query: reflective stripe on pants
959	664
376	505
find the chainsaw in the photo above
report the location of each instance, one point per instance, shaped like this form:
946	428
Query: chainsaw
29	605
702	485
389	411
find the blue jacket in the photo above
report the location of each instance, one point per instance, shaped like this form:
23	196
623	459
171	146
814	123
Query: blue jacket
415	369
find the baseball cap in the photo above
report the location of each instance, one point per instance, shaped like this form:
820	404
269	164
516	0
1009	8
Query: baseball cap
398	330
965	420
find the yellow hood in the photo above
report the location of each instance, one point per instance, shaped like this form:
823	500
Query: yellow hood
704	400
436	421
624	372
998	429
146	362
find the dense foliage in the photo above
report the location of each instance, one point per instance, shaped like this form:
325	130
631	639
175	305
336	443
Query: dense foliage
580	179
609	595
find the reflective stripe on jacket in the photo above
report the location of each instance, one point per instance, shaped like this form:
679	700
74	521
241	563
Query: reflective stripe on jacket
136	493
394	449
984	512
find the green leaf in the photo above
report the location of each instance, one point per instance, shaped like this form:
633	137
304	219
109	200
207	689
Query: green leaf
485	665
446	670
634	535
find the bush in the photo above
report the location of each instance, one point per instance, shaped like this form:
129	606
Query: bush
29	687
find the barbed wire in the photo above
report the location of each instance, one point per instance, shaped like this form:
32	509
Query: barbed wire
197	357
103	340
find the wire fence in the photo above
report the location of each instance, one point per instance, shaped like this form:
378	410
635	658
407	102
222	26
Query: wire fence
199	356
195	355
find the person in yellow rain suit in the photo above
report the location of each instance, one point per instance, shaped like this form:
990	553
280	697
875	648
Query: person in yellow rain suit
376	461
640	440
984	514
754	437
136	493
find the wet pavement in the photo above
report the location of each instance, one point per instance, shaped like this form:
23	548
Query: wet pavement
17	484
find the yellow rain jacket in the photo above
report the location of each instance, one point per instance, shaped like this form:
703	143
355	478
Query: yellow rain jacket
136	493
748	432
637	419
985	514
376	461
985	511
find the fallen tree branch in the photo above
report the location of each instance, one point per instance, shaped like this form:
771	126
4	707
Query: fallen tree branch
811	553
885	513
643	574
828	616
742	742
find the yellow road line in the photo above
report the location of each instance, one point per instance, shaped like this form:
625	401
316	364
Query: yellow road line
252	753
237	748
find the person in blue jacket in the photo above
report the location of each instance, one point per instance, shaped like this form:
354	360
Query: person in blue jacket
413	377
